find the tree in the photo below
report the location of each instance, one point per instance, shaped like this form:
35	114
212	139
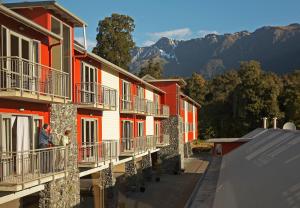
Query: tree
114	39
290	97
257	96
196	88
153	68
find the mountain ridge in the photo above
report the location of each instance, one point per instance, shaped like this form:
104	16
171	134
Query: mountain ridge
276	47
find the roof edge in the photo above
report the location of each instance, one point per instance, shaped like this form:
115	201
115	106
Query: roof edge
117	68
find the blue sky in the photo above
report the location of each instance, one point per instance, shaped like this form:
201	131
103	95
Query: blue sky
185	19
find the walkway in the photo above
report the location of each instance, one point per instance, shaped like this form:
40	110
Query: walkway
205	193
172	191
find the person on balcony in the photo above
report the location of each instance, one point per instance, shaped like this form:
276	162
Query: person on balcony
45	156
44	137
64	141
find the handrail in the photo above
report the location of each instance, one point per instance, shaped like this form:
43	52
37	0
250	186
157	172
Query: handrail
31	62
95	93
137	145
23	75
96	152
19	167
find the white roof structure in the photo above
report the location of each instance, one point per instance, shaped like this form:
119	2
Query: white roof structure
262	173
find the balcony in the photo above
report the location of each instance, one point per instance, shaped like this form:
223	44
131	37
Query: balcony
21	79
95	96
137	146
162	140
162	111
136	105
97	154
21	170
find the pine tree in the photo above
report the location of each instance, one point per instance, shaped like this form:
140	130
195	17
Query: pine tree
114	39
153	68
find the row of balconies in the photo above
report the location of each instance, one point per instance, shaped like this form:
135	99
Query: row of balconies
20	170
22	79
143	106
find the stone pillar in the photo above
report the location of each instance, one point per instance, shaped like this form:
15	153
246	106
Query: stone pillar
172	156
63	192
110	190
132	176
146	166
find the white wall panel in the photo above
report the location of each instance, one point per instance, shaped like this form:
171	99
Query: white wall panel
111	119
186	120
149	119
194	121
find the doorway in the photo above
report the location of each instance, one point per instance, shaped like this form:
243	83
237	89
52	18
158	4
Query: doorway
89	136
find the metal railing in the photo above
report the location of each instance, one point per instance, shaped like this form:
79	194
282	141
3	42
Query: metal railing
150	107
97	152
137	105
126	105
162	140
137	145
95	93
162	110
22	75
25	166
140	104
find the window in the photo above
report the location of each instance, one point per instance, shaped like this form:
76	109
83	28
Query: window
126	91
14	134
3	53
157	129
156	103
127	129
140	129
140	92
89	134
55	26
88	79
6	134
61	53
66	49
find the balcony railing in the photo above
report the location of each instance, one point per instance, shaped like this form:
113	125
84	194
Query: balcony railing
95	94
136	105
23	76
162	140
138	145
162	111
97	153
18	168
140	105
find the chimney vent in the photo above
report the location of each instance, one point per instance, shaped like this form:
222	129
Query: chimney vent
265	122
275	122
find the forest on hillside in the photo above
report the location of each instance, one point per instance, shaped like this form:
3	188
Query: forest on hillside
235	102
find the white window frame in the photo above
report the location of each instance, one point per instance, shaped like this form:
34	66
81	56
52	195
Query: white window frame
131	129
128	85
140	128
32	118
83	130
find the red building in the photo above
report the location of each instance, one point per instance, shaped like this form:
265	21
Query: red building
180	105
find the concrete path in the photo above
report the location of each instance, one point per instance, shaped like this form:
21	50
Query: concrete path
205	193
172	191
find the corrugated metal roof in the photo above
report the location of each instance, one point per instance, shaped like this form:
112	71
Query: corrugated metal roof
262	173
254	133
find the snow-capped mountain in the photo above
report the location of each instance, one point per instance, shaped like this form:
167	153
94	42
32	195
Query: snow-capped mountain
276	47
